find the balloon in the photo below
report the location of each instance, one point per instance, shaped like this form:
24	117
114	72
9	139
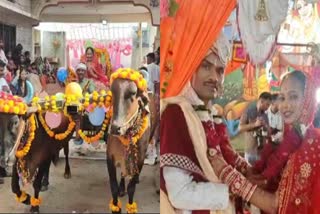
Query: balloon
73	88
62	74
96	117
53	120
60	96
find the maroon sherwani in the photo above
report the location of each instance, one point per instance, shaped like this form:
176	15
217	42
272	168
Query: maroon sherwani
177	149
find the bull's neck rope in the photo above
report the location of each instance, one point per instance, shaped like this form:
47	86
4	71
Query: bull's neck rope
138	129
131	121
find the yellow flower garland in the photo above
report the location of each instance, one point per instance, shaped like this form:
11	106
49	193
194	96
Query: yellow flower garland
12	104
35	201
125	140
32	127
130	74
60	136
100	134
22	197
132	208
115	208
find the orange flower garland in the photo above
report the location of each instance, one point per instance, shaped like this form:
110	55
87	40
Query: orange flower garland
60	136
12	104
130	74
132	208
100	134
22	197
32	127
125	140
115	208
35	201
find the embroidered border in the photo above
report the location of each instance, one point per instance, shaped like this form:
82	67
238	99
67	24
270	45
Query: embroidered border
180	161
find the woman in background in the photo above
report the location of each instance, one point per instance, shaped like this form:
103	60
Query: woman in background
95	70
23	86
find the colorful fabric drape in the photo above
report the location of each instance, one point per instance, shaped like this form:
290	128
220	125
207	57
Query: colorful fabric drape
186	38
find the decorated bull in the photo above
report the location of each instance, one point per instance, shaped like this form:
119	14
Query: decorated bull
130	121
37	146
131	129
127	117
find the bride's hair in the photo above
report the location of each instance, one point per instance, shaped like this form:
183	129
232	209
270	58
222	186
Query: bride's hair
298	75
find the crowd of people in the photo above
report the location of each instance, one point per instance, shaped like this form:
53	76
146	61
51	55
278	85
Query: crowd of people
17	69
23	77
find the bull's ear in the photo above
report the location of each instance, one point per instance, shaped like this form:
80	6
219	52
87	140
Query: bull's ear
144	97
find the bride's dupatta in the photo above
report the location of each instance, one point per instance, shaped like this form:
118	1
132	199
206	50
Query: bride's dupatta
299	189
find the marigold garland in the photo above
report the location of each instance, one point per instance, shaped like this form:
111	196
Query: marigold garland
12	104
22	197
100	134
35	201
134	139
60	136
115	208
132	208
32	127
130	74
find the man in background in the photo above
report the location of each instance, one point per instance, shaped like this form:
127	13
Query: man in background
254	122
275	119
154	87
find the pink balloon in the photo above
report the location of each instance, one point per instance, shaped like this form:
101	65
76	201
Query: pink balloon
53	120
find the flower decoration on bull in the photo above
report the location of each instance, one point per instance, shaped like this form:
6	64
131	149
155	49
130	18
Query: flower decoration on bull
130	74
10	104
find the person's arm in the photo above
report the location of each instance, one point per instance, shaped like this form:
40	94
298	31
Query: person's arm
14	82
241	186
186	194
245	126
92	72
229	154
92	86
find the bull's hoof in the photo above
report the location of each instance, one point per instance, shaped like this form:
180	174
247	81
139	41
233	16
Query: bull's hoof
67	175
34	209
116	212
27	201
44	188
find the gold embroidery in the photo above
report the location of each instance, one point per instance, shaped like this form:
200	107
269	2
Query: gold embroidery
305	170
285	186
297	201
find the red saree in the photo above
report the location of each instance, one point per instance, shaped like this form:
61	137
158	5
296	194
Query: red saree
95	70
299	189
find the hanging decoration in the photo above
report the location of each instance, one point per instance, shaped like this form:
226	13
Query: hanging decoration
259	22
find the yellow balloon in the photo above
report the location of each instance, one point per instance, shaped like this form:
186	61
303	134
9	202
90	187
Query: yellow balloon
73	88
